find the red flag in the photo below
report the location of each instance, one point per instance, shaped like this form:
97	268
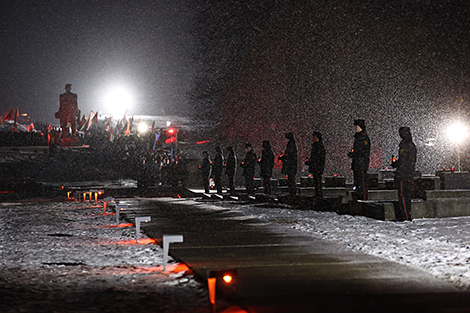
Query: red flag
81	124
30	127
108	124
153	127
16	119
90	119
9	116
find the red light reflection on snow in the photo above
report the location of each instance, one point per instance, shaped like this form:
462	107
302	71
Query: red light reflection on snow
120	225
142	241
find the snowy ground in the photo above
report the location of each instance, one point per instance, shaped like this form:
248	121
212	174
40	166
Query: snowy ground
438	246
68	257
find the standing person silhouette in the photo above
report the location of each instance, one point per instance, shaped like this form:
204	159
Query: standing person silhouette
360	155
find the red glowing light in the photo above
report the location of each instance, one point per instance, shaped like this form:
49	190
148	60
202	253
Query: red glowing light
335	175
227	279
204	141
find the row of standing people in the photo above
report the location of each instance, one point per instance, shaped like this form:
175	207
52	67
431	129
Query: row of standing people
289	160
360	155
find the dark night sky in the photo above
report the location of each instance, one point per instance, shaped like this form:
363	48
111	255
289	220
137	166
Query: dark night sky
142	47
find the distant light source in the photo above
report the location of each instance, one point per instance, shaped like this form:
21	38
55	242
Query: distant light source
142	127
457	132
117	101
227	278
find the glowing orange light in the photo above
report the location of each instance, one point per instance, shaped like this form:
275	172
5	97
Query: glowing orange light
335	175
62	187
227	279
394	160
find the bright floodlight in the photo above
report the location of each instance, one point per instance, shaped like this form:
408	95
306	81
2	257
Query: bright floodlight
142	127
457	132
118	101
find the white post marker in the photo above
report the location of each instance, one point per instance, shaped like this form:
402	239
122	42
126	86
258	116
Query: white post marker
167	239
139	220
105	202
119	207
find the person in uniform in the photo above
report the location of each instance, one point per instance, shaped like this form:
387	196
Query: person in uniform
405	166
289	162
205	169
68	110
266	163
360	154
316	162
230	167
248	165
217	168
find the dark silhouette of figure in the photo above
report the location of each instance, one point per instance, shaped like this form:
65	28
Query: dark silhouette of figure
267	163
360	155
205	169
230	167
316	162
289	162
248	165
217	168
405	166
68	110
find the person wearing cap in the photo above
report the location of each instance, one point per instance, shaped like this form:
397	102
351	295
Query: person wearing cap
217	168
68	110
405	166
230	168
205	169
316	162
289	162
248	165
360	154
267	164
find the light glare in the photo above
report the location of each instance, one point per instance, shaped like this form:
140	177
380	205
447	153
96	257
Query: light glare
142	127
457	132
118	101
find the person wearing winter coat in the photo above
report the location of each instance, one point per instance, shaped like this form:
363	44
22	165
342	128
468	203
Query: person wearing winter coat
316	162
230	167
248	165
205	169
217	168
405	166
360	155
289	162
266	163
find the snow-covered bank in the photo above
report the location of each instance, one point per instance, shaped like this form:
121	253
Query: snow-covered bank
438	246
58	256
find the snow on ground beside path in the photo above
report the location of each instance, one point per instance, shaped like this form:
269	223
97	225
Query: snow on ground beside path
440	246
54	254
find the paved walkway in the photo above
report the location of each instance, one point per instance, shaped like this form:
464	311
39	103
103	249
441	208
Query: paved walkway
282	271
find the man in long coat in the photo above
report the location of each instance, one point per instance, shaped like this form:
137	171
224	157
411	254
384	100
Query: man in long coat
360	155
405	166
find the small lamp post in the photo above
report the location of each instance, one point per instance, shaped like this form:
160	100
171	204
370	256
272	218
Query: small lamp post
457	133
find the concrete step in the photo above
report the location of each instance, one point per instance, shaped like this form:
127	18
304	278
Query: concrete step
447	194
382	195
